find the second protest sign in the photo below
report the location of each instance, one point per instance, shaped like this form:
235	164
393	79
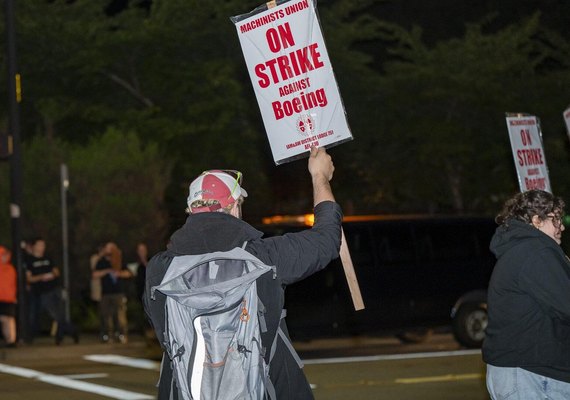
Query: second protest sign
528	153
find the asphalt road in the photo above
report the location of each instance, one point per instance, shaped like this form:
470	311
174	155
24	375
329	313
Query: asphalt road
357	368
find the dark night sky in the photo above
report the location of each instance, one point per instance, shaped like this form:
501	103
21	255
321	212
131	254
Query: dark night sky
447	18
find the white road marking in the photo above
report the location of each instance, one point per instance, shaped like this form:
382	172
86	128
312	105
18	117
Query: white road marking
441	378
153	365
73	384
338	360
132	362
85	376
124	361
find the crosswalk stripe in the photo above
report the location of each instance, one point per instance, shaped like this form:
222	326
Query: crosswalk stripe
74	384
141	363
85	376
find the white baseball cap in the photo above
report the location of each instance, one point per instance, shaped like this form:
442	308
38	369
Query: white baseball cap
223	186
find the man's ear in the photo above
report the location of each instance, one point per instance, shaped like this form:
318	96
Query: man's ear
235	210
536	221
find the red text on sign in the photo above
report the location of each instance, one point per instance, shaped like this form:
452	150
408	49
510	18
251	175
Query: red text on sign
293	87
529	157
266	19
526	138
279	36
296	105
289	66
309	140
522	122
535	183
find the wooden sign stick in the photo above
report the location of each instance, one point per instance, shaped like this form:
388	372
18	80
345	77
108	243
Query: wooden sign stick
350	274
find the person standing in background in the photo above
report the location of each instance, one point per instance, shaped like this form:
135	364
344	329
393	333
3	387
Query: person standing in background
8	297
113	304
45	292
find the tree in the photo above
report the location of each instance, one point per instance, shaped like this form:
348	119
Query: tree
116	193
41	191
427	119
347	26
173	72
443	137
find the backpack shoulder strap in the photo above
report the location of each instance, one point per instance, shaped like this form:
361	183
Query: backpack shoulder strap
280	333
286	341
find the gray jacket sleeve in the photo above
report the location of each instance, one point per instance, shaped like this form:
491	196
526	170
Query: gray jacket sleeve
300	254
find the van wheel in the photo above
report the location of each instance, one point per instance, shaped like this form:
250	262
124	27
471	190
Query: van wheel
469	325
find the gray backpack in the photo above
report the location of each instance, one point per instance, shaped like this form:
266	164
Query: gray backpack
213	320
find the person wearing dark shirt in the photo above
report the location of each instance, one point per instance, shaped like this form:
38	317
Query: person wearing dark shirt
45	292
527	341
113	304
214	224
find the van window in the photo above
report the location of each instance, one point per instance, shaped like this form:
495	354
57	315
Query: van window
394	244
360	244
439	242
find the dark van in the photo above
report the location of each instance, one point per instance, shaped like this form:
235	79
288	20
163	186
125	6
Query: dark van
414	272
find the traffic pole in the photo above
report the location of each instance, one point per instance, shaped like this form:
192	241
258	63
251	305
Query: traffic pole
14	98
65	238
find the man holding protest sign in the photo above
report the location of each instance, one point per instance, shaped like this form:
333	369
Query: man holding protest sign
296	90
214	224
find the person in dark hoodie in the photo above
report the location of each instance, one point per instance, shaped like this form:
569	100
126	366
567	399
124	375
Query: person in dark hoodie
215	224
527	342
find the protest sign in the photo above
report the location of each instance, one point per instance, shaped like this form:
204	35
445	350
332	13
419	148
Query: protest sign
295	87
292	78
528	152
567	120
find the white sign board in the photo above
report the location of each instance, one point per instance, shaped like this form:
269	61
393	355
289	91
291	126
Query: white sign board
567	120
528	153
293	78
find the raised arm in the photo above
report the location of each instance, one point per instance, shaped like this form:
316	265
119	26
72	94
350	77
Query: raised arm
300	254
321	169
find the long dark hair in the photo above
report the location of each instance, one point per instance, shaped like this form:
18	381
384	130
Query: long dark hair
523	206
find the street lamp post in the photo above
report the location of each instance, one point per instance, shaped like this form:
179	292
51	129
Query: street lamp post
14	98
65	237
